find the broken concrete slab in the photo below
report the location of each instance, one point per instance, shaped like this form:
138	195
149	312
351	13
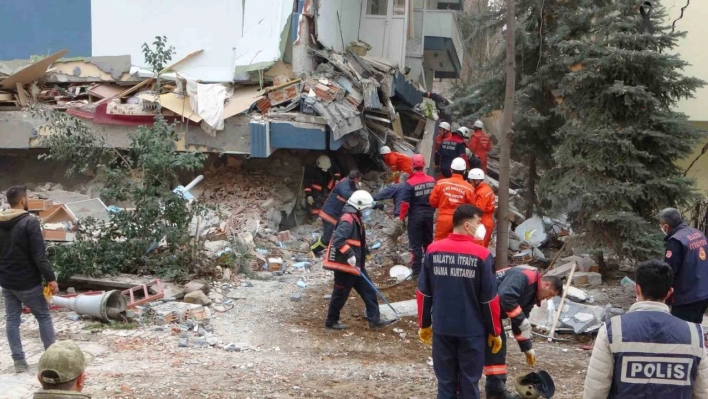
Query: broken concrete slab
403	308
585	263
587	279
197	297
561	271
574	318
196	286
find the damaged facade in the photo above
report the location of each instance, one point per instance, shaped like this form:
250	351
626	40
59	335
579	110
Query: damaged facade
278	74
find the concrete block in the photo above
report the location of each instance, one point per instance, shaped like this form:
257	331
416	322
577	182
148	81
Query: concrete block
587	278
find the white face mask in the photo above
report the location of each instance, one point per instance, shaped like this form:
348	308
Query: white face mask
480	232
358	185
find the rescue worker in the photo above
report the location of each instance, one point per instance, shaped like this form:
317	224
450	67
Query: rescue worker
686	253
397	226
416	206
444	133
397	162
448	194
480	144
458	307
648	353
346	256
484	200
319	182
62	372
519	288
451	148
332	208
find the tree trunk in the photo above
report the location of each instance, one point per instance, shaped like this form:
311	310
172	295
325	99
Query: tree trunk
502	259
531	188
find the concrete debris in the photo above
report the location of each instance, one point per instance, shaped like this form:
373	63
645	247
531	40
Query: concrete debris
196	286
575	317
236	347
404	309
197	297
176	312
587	279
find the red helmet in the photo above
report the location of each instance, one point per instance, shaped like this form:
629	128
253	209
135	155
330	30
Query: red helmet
417	161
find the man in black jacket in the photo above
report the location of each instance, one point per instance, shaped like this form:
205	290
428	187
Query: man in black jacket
23	264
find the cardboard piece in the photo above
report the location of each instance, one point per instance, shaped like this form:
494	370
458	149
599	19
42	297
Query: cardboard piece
241	100
176	104
105	90
32	72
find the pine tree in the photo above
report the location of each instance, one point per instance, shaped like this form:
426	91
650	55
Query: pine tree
620	138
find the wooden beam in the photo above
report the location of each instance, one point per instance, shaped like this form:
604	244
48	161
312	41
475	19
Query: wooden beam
22	95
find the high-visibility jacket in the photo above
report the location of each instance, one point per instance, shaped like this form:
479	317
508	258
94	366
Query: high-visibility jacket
398	163
332	208
485	202
348	239
480	145
448	194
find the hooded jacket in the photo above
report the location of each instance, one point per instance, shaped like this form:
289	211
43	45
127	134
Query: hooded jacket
23	257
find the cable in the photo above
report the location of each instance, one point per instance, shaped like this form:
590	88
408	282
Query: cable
673	25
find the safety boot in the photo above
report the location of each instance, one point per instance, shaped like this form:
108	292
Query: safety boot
21	366
335	326
379	323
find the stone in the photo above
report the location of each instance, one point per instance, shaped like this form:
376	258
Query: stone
71	290
212	341
226	274
197	297
237	294
296	297
215	296
173	291
196	286
219	308
183	342
328	296
562	271
200	342
159	328
236	347
406	257
215	246
247	284
587	278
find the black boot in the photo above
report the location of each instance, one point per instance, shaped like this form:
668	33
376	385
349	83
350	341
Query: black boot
335	326
379	323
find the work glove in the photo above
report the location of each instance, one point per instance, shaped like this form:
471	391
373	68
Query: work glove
525	328
426	335
352	261
530	357
54	287
494	342
310	200
378	205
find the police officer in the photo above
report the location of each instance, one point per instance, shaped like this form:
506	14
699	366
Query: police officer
62	372
397	227
458	307
346	256
332	208
319	182
648	353
451	147
686	253
416	206
519	288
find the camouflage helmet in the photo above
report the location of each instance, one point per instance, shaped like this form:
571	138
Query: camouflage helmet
61	362
535	385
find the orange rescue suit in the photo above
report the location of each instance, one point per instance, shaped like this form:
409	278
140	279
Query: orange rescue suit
480	145
446	196
485	202
398	163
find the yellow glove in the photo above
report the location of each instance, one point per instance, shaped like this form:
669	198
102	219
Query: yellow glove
48	293
530	357
426	335
494	342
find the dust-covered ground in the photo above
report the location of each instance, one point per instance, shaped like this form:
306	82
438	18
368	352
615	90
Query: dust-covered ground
290	353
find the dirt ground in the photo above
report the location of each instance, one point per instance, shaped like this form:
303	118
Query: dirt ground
290	354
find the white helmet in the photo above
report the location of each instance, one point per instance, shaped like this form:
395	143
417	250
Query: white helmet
458	164
324	163
385	150
478	124
476	174
445	126
465	132
361	199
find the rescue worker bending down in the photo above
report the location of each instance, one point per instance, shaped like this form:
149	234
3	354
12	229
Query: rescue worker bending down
319	182
397	226
480	144
416	206
484	200
447	195
519	288
648	353
686	253
397	162
332	208
451	148
458	307
346	256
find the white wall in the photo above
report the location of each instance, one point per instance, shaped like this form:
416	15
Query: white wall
328	31
692	49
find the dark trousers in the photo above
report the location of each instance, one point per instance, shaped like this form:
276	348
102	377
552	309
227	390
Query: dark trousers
692	312
495	369
446	173
457	362
343	284
321	244
420	235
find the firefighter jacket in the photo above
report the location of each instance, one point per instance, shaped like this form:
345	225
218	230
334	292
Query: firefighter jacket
457	293
416	196
517	287
480	145
332	208
448	194
395	191
348	239
398	163
484	200
450	148
318	185
648	353
438	142
686	253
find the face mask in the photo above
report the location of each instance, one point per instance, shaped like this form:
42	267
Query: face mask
366	215
480	232
358	185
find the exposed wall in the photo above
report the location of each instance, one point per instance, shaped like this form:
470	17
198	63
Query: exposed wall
328	28
40	27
